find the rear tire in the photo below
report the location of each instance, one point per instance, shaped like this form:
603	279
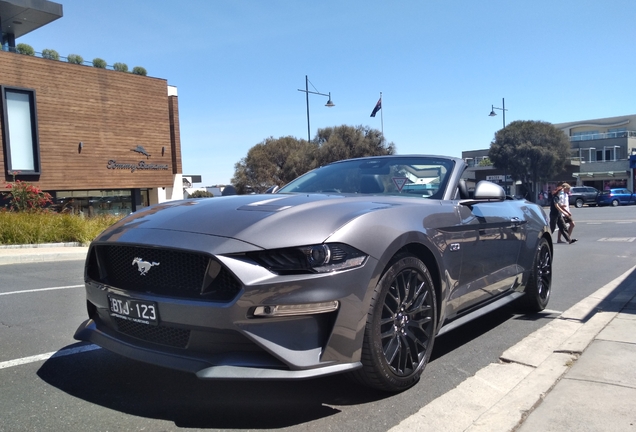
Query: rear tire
615	203
539	287
400	328
578	203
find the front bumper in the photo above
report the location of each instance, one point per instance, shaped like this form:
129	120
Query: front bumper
222	339
204	366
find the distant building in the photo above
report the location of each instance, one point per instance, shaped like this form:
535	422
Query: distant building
601	149
600	153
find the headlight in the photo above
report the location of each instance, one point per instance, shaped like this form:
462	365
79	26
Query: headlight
322	258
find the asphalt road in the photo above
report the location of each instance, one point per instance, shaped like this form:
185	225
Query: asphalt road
94	390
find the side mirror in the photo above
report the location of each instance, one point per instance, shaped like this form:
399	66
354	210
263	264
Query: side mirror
272	189
485	191
489	191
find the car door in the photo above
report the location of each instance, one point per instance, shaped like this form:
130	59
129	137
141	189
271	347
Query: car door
493	234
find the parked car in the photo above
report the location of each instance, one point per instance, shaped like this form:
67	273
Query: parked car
615	197
354	267
580	195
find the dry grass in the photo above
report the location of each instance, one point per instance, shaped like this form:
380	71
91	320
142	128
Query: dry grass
35	228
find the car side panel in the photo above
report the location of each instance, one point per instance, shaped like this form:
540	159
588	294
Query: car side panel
494	232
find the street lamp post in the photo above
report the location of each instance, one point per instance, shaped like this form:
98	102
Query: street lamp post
492	114
306	91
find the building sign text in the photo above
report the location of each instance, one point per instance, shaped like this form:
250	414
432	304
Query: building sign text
141	165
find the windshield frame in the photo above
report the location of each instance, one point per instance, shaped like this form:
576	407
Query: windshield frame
417	176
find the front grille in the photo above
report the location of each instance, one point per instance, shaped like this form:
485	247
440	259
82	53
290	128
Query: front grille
168	272
163	335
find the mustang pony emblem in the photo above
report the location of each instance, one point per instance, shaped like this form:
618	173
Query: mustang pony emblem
143	266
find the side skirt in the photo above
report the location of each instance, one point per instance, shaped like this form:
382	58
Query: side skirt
480	312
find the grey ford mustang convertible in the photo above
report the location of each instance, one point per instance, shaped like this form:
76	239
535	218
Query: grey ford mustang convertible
353	267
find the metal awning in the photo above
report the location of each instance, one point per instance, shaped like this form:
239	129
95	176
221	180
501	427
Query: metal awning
20	17
599	174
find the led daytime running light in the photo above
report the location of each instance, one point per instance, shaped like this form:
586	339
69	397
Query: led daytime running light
300	309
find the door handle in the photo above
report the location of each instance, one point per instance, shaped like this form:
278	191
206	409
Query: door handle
516	222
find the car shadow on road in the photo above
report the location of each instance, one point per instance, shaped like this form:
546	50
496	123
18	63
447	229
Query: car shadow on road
143	390
460	336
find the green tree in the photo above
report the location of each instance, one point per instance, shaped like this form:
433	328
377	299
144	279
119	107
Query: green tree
346	142
530	151
274	161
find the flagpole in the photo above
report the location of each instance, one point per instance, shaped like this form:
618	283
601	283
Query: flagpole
382	116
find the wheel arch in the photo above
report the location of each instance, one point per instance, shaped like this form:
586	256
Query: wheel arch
425	255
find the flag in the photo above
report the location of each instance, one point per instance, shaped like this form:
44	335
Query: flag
377	108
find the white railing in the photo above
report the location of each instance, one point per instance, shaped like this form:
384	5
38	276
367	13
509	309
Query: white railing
604	135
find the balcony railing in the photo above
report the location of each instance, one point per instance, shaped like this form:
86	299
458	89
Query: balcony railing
604	135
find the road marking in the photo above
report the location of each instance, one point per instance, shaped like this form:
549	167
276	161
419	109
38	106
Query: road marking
41	289
42	357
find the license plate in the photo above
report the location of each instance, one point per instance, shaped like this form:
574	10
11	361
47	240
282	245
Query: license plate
140	311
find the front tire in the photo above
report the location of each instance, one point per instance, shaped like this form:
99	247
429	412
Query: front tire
400	327
539	287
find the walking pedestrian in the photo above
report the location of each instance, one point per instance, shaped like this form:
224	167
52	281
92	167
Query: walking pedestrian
564	201
557	213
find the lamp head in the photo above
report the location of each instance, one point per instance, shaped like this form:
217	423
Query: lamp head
329	102
492	111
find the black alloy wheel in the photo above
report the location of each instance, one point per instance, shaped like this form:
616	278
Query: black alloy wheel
539	287
400	327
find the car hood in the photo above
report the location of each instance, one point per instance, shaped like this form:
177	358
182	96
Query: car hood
265	221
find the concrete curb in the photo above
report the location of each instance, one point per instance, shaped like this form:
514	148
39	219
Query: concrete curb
20	254
501	396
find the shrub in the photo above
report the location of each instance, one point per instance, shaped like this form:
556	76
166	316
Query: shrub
23	48
50	54
99	63
120	67
138	70
75	59
201	194
24	197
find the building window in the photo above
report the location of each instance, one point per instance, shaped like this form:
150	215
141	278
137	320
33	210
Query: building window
20	130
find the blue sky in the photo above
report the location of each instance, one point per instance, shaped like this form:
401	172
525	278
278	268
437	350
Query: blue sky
440	65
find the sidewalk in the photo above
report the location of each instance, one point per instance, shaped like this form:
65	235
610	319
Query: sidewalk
40	253
577	373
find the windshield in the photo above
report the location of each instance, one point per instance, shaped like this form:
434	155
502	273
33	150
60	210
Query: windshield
413	176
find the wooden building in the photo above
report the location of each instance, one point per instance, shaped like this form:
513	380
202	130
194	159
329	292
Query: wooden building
100	140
